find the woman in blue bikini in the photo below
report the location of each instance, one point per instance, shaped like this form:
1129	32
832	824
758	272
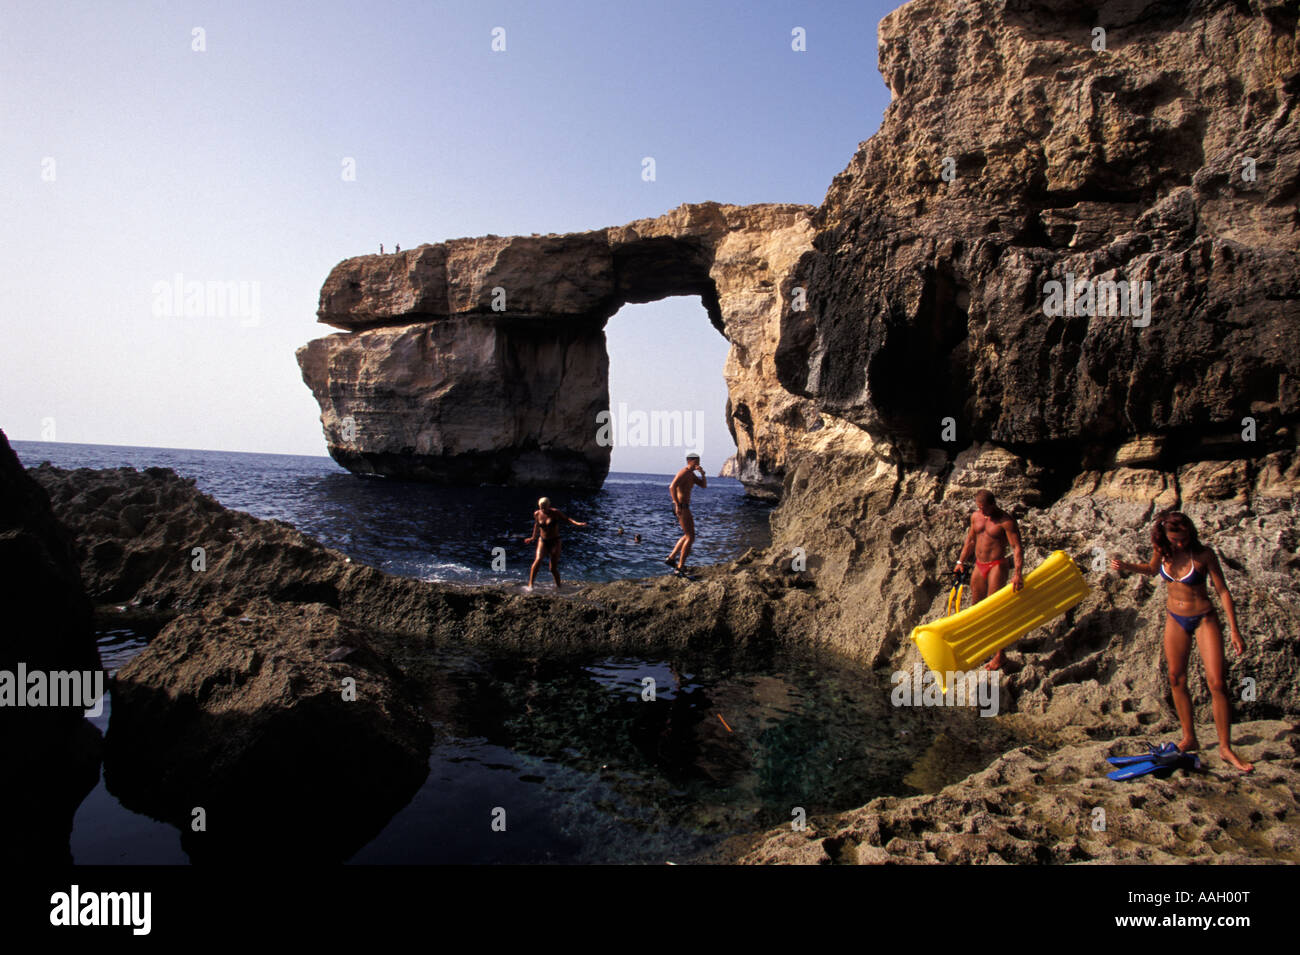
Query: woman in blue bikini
1182	560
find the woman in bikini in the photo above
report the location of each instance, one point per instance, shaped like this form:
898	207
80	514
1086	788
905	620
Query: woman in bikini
546	531
1182	560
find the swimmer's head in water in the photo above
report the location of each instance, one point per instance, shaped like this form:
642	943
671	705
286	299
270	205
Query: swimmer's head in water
543	502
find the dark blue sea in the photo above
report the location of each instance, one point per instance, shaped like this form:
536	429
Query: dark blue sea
449	534
592	771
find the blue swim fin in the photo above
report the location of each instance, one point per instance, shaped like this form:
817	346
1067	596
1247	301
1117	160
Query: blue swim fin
1161	766
1153	752
1134	770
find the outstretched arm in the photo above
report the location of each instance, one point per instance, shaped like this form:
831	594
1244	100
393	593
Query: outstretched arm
1221	588
1147	570
571	520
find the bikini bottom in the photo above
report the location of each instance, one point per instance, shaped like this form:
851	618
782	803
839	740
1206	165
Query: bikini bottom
1189	624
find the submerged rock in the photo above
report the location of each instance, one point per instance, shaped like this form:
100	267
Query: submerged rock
240	725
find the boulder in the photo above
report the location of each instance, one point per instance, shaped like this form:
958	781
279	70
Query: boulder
152	540
265	730
50	754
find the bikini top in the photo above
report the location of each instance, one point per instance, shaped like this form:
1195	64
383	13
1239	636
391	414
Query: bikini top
1192	578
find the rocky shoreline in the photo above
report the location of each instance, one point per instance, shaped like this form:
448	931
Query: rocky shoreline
1040	806
893	350
215	709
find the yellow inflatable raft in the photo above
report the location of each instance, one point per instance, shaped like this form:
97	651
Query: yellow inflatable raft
959	643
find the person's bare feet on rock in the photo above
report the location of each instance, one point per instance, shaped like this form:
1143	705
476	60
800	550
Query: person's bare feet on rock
1188	744
996	662
1230	757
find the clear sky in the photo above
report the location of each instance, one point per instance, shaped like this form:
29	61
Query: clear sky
129	157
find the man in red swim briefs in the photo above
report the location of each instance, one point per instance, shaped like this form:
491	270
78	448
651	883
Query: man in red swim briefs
992	530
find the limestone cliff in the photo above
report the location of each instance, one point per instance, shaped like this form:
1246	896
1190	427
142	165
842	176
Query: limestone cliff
1022	148
930	327
483	360
1148	146
1015	154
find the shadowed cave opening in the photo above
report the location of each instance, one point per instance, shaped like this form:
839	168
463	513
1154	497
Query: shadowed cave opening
931	348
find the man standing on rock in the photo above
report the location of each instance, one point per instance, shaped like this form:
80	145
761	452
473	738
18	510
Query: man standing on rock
992	530
680	491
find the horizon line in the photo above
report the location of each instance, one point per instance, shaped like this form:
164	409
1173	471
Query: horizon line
280	454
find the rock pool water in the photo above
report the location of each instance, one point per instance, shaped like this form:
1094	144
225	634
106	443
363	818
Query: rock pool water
582	766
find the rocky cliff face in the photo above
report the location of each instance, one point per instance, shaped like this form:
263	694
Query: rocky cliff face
483	360
931	326
1014	156
1162	170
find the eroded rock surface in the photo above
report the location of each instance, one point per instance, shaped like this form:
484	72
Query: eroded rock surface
152	540
483	360
930	327
1032	806
1094	673
877	546
146	566
928	294
280	723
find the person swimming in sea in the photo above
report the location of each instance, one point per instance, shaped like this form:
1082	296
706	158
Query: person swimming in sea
546	531
1185	563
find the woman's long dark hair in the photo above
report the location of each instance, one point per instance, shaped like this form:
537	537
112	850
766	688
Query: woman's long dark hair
1175	521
